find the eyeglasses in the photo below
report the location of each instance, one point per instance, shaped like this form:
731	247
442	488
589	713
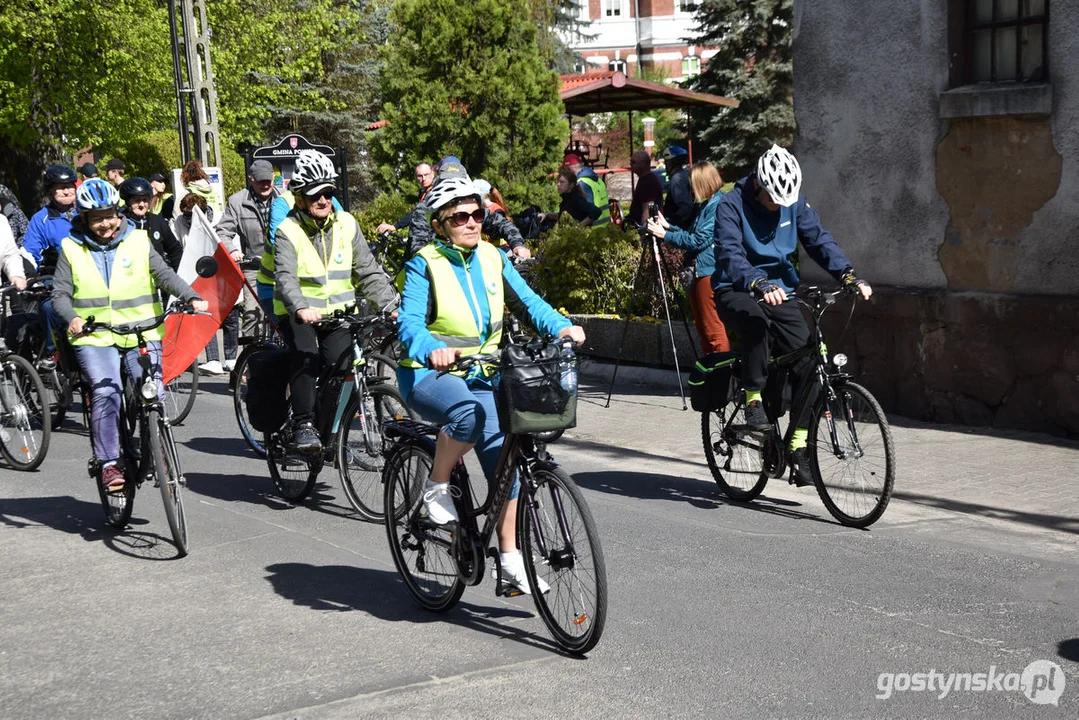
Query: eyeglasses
328	194
458	219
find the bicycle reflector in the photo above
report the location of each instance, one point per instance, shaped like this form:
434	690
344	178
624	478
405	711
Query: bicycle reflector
839	360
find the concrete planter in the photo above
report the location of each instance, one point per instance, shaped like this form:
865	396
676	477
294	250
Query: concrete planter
645	343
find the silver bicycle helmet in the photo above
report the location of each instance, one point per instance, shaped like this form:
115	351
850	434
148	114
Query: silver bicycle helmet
447	189
778	173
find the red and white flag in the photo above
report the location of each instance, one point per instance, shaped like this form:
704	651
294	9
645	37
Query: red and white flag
187	335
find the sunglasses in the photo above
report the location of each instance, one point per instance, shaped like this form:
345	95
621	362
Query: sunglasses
327	194
458	219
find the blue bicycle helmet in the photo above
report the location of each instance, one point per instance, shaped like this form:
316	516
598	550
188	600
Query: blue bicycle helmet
96	194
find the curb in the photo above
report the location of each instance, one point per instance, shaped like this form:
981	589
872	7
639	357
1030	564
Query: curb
664	378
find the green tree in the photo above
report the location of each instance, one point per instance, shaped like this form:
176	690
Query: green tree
467	79
556	20
754	66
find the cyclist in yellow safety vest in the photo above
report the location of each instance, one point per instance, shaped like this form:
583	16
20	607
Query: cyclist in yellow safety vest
320	257
108	269
456	289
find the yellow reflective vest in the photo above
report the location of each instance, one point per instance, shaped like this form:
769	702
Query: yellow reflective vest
456	305
326	279
129	297
599	198
266	268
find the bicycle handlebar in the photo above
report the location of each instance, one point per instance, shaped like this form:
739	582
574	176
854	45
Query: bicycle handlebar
467	362
92	326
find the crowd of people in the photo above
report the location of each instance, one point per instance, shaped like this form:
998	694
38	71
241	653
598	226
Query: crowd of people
111	255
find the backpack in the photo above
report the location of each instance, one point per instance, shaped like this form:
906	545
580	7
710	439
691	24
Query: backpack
710	380
267	386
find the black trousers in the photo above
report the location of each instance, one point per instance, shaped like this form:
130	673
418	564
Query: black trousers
766	330
312	350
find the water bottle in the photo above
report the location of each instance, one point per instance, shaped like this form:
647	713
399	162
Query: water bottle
568	369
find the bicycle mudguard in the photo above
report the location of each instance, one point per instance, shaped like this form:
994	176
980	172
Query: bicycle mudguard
399	429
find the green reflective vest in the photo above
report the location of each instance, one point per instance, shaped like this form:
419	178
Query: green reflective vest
457	307
599	198
129	297
265	272
326	279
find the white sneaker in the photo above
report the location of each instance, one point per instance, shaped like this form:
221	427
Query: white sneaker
213	367
438	503
229	365
513	573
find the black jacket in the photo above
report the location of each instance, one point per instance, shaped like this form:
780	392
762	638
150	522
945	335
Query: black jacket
161	237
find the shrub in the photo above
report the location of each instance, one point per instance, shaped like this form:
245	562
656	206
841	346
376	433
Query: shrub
387	207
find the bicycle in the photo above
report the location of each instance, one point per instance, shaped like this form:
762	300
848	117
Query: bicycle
26	335
180	394
555	530
142	416
266	338
848	431
354	402
25	427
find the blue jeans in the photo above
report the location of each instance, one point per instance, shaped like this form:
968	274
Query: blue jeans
53	322
101	366
467	413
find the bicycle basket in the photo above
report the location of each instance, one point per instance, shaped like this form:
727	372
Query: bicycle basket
710	381
530	393
267	383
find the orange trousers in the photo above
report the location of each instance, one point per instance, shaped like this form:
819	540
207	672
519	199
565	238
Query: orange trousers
709	327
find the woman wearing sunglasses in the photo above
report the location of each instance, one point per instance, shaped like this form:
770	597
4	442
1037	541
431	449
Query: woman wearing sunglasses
456	289
320	257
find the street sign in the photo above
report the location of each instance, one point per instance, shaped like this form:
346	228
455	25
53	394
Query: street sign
283	158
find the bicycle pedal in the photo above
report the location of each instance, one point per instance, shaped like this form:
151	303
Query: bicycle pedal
508	591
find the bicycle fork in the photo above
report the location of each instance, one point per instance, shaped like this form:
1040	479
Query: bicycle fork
843	409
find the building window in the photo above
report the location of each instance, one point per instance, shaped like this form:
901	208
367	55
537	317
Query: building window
691	65
687	6
612	8
617	66
582	10
1006	40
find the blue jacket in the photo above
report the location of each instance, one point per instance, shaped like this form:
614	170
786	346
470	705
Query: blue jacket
48	227
417	309
700	239
753	242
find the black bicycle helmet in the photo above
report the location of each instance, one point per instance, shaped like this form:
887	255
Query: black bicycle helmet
59	175
135	186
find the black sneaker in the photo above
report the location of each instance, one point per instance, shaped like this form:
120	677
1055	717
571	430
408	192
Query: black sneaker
306	439
756	418
801	475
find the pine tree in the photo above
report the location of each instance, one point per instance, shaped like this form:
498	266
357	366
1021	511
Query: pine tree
468	79
754	66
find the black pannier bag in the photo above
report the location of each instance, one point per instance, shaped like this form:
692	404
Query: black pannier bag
710	381
777	393
530	394
267	387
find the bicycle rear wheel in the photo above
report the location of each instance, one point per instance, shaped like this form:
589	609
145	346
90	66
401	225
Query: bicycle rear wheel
166	468
423	554
180	394
560	544
734	453
117	505
855	474
361	445
25	422
239	403
294	474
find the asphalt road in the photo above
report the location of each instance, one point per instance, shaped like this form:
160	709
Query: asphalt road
716	609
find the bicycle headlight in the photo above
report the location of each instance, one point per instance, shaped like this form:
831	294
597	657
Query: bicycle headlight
839	360
149	390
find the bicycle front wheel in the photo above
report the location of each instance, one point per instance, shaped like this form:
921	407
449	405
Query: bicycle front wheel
560	544
239	404
855	468
166	467
735	454
25	419
180	394
423	553
360	448
58	388
294	474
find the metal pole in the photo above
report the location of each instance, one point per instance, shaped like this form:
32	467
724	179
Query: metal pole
178	78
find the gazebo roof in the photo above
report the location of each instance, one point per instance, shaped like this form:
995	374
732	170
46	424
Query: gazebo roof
614	92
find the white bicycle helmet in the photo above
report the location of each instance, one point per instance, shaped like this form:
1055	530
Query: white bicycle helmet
778	173
96	194
313	171
447	189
